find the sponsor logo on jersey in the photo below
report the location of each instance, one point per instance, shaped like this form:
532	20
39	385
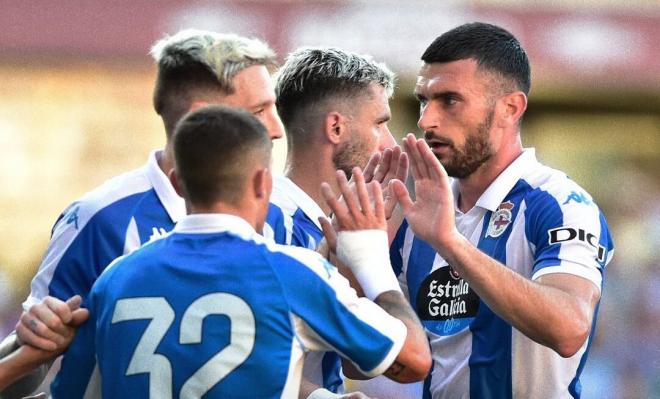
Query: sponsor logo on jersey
564	234
72	217
445	302
500	219
157	232
580	198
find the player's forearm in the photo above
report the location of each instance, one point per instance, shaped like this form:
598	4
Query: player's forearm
23	362
547	314
414	360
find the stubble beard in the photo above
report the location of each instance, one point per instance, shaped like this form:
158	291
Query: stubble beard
476	151
351	153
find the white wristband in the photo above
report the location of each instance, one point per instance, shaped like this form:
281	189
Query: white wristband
322	393
366	253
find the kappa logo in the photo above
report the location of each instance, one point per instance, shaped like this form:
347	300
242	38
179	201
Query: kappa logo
563	234
580	198
157	232
500	219
72	217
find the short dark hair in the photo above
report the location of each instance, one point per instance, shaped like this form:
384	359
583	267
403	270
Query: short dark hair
494	49
311	76
214	150
197	65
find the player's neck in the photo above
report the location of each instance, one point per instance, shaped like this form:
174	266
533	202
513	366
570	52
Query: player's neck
165	160
472	187
308	174
244	212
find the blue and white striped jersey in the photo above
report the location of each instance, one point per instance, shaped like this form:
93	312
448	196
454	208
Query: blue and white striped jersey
293	216
293	220
536	221
110	221
215	310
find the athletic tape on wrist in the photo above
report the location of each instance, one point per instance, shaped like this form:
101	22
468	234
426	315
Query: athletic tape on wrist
366	253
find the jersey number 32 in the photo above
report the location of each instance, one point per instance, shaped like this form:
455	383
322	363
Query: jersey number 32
161	314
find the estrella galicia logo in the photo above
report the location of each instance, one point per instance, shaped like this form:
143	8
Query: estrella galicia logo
564	234
580	198
445	302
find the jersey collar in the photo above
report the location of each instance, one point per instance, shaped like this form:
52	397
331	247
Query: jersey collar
504	183
203	223
300	198
174	205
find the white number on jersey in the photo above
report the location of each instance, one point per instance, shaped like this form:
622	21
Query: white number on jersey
161	314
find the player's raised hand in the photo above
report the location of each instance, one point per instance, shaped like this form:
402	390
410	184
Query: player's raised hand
382	168
50	325
431	215
354	211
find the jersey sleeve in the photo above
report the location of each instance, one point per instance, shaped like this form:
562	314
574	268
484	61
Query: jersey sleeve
82	244
568	233
328	315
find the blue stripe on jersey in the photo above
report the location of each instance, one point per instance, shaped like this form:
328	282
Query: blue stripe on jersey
306	233
102	240
490	360
275	219
362	343
422	256
395	250
606	242
543	213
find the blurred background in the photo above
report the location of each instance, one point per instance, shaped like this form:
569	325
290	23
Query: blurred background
75	110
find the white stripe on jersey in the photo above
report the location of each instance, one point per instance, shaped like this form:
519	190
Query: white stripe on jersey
66	230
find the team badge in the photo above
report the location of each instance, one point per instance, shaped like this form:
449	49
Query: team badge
500	219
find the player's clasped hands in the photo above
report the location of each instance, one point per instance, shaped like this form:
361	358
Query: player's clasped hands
51	324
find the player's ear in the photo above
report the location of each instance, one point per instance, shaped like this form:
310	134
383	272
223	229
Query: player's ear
262	183
511	107
174	179
334	126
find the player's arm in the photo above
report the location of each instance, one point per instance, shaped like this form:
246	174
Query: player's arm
362	245
20	363
555	310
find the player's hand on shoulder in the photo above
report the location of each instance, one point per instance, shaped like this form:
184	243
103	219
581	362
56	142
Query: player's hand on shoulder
51	324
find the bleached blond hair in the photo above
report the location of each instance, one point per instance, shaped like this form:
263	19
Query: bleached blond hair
195	63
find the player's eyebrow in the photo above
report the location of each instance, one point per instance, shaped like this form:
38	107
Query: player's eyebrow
384	118
440	95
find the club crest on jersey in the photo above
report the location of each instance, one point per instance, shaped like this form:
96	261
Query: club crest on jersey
500	219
